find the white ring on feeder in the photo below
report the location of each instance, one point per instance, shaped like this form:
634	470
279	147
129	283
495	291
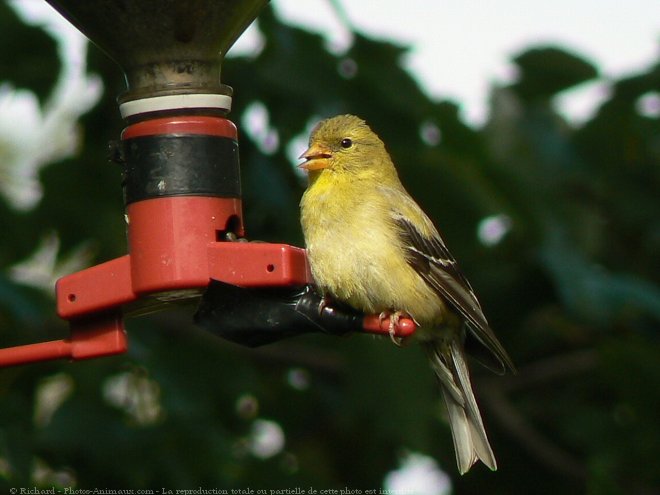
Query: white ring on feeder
174	102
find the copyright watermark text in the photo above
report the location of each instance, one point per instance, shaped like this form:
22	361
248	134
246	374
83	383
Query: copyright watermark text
201	491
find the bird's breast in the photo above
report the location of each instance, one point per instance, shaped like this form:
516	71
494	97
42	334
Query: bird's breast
356	256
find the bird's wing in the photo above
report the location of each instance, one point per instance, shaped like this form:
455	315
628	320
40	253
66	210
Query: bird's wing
429	256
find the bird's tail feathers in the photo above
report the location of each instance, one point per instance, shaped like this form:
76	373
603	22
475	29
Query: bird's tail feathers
470	441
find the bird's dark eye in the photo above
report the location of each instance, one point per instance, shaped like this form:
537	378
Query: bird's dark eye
346	143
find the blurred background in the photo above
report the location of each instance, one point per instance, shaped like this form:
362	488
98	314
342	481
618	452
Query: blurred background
552	208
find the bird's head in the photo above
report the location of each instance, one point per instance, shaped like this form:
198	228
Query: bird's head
345	144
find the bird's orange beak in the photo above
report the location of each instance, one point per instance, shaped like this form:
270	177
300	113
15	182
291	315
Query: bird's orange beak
316	157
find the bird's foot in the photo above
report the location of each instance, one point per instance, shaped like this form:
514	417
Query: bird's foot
394	321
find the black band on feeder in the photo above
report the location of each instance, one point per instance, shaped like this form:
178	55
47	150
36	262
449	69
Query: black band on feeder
180	165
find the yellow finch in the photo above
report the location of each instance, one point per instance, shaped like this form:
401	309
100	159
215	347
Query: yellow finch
371	246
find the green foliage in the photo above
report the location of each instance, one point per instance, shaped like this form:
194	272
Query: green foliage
572	290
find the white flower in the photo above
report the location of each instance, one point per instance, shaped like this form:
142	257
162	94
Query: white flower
51	393
266	439
42	269
136	394
491	230
256	124
32	136
418	474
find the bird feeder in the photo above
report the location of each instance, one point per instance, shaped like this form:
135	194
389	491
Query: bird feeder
182	191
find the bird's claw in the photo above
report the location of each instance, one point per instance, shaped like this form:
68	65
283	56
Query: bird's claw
394	321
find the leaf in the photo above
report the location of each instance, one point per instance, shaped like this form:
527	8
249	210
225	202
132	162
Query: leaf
545	71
